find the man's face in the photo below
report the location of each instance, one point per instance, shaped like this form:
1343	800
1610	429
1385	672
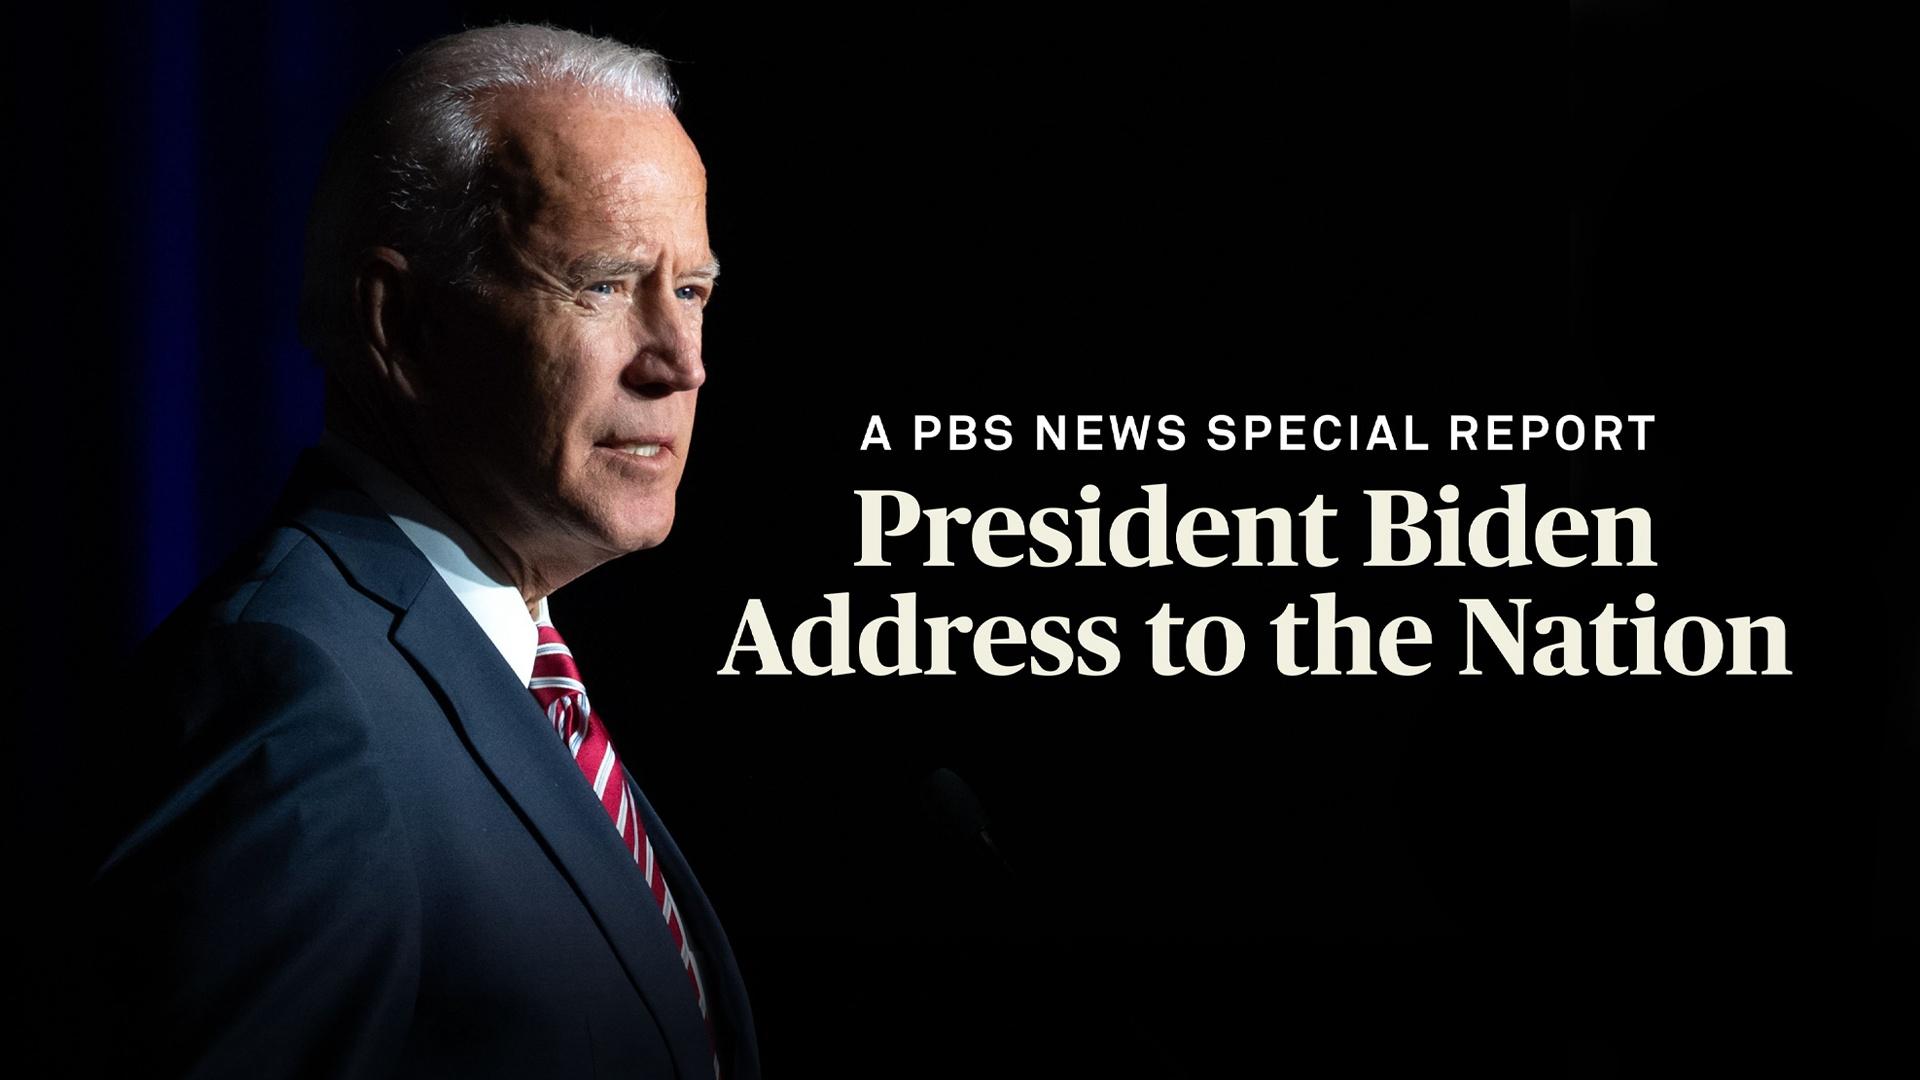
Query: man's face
558	403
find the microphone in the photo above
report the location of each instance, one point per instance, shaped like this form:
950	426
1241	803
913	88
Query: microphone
956	811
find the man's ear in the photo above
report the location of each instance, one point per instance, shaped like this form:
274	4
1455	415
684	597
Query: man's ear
391	313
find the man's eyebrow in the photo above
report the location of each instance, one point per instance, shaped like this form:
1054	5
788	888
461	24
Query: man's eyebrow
601	265
596	265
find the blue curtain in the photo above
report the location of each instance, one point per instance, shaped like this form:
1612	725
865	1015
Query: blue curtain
226	113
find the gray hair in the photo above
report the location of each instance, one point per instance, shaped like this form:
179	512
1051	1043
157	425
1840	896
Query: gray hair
408	167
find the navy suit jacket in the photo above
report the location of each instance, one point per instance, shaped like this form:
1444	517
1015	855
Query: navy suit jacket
349	843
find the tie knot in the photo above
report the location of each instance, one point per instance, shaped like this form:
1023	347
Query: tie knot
551	655
556	684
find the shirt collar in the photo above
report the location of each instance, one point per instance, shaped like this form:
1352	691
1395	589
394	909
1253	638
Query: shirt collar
475	578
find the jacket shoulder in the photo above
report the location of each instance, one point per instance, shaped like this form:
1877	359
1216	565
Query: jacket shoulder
284	576
255	821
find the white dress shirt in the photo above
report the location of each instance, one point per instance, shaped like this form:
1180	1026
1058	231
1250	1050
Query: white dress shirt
475	578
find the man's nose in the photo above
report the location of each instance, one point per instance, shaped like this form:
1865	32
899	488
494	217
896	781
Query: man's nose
668	355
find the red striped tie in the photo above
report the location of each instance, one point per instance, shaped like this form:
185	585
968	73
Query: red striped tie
556	685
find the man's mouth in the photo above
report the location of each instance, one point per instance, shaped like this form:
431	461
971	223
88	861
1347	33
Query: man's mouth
638	448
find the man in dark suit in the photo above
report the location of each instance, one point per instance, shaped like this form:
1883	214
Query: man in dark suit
369	819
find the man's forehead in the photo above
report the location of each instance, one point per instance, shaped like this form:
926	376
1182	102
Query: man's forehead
565	145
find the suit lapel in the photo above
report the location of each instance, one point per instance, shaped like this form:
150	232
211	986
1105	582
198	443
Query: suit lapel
514	742
726	991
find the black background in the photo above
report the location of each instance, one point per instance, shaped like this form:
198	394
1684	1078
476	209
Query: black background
1008	213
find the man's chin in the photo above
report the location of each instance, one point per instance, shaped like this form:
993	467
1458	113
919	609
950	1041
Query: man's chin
642	533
